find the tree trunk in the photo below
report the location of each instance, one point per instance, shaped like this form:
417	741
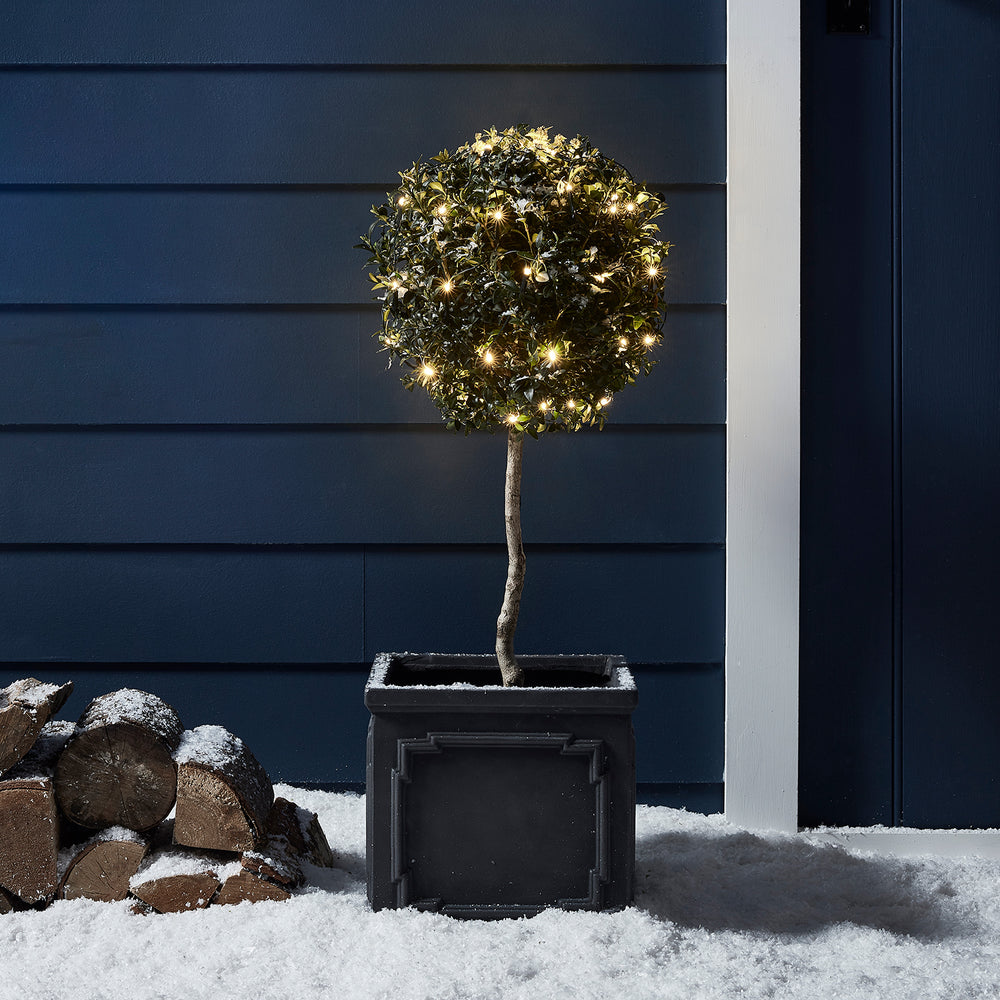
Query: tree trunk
512	674
25	707
102	869
118	770
224	796
29	839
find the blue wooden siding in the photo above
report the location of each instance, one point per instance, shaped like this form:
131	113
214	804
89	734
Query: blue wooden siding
212	487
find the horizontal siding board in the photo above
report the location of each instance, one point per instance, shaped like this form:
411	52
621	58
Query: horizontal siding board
387	31
336	486
680	722
216	605
258	246
307	724
280	367
292	126
650	605
303	724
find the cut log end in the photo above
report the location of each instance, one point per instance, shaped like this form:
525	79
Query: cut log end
116	775
102	870
224	796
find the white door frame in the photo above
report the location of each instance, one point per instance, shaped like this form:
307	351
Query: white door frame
763	461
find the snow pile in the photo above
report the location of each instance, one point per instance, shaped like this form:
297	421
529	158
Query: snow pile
720	913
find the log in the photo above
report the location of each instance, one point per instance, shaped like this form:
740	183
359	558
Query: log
118	768
7	902
103	867
247	887
224	796
176	880
25	707
300	833
29	835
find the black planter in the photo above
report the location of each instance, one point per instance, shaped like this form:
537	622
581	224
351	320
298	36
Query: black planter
485	801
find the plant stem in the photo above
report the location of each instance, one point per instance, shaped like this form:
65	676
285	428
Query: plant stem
513	675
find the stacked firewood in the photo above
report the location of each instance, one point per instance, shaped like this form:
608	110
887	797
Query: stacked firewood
126	803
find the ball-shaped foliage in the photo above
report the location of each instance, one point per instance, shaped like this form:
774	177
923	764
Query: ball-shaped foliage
521	278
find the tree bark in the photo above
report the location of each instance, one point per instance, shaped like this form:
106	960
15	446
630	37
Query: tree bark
513	675
103	868
298	833
224	796
29	839
25	707
118	769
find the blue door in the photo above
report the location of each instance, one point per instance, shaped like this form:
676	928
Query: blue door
901	416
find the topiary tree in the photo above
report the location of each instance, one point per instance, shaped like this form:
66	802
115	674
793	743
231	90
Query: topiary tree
522	286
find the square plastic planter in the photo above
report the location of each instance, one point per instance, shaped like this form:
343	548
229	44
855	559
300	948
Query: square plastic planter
485	801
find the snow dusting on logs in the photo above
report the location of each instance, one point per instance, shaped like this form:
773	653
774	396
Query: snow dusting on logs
126	804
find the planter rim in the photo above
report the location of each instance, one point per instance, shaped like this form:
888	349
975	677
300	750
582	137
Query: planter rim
617	693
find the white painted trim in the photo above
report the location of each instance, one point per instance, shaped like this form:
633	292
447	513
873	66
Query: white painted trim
762	533
904	842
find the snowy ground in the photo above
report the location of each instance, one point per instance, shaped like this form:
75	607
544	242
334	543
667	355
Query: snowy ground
720	913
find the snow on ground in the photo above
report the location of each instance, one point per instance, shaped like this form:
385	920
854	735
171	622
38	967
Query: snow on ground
720	913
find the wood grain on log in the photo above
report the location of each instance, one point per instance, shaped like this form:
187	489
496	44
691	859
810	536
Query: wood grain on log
25	707
118	769
102	869
177	893
29	835
247	887
224	796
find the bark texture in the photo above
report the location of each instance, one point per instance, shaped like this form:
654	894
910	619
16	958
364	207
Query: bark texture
512	674
25	707
29	839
